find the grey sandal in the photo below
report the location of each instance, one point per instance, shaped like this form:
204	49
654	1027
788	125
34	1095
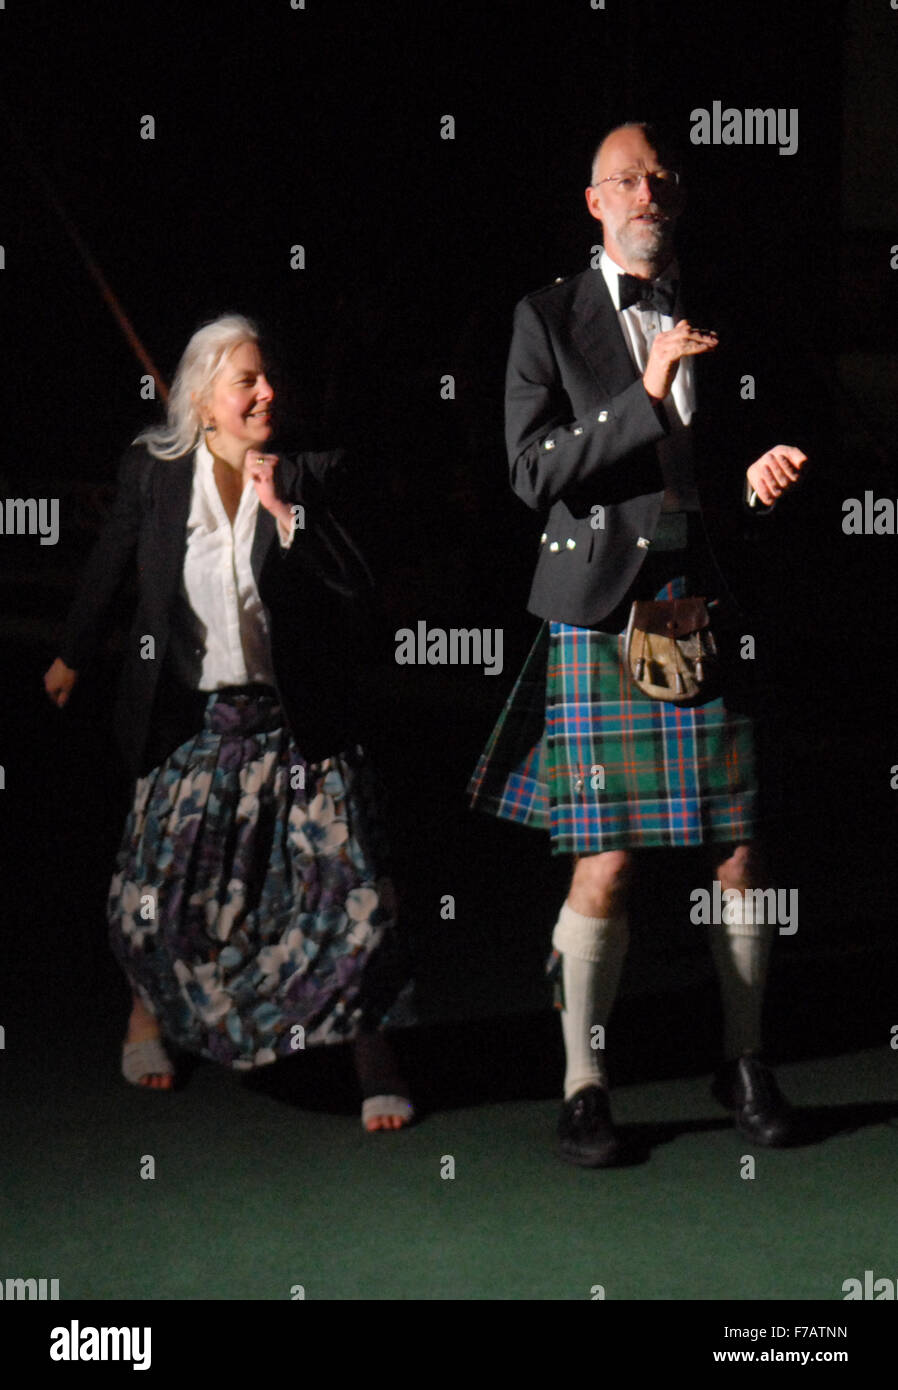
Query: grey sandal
376	1106
145	1058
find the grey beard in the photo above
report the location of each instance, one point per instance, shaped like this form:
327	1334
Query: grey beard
654	249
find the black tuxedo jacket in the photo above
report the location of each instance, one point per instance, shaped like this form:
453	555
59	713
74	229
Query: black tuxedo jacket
315	593
581	430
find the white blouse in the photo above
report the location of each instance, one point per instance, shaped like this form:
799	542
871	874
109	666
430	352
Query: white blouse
219	634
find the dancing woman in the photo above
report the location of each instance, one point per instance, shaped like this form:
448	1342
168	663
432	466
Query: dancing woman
249	908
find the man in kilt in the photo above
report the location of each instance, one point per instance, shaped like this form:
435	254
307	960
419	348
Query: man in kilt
612	398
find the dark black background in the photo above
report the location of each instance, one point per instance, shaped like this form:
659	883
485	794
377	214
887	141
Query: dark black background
322	127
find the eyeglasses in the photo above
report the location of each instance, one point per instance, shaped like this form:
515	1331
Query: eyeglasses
628	182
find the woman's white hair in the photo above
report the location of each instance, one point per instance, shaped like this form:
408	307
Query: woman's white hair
202	360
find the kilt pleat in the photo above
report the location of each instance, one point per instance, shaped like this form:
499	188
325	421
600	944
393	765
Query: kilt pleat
510	778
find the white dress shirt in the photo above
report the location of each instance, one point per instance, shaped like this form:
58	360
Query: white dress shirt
219	633
640	328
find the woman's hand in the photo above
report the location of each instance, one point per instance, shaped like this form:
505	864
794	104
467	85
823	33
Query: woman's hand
59	682
260	468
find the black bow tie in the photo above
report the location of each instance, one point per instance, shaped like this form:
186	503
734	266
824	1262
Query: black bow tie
652	294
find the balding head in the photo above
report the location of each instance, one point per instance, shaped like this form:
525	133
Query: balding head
638	211
660	143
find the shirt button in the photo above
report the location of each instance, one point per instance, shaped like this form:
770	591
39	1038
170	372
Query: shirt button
602	416
543	538
579	429
643	543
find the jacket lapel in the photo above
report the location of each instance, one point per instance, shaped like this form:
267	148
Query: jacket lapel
172	490
263	537
265	534
598	336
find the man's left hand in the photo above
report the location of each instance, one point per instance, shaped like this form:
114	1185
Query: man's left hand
775	472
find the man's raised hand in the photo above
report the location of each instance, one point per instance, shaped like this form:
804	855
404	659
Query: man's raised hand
664	357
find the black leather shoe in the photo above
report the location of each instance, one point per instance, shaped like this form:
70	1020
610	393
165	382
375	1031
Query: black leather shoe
748	1087
586	1131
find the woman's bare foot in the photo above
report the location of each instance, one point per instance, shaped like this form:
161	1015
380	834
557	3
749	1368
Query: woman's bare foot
142	1027
380	1078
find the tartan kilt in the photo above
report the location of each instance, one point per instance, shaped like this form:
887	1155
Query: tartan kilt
581	752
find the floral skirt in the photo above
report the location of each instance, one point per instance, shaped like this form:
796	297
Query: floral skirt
247	907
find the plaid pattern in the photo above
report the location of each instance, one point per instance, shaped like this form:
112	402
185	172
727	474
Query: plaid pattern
271	910
510	780
581	752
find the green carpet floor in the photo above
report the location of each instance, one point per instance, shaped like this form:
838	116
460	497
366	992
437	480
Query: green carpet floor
253	1196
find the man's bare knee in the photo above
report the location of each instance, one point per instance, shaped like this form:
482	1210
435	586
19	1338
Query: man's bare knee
741	866
600	883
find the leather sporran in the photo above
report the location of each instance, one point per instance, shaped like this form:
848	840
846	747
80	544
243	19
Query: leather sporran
670	652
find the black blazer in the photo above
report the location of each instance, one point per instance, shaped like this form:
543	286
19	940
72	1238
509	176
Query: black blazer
315	593
581	430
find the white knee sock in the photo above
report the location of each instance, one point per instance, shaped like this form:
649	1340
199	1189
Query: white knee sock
741	951
593	951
